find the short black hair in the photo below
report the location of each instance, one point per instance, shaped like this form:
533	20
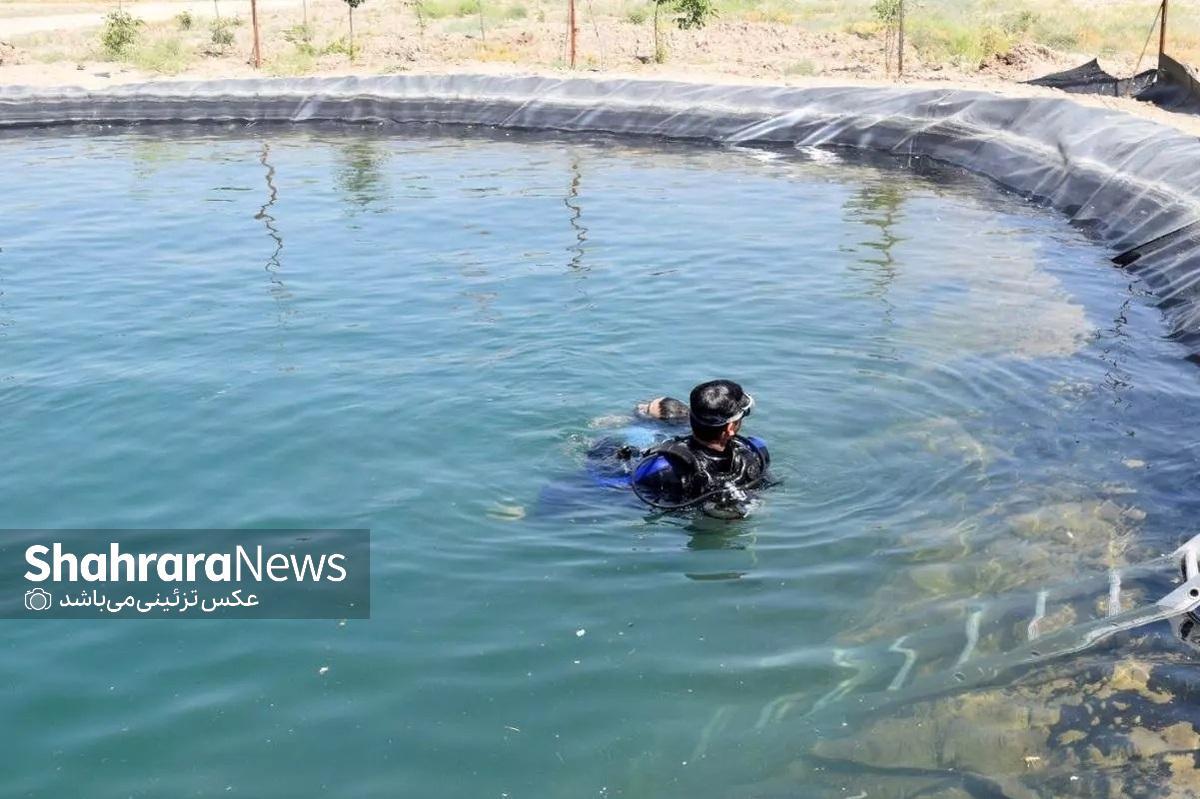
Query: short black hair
672	409
713	405
706	433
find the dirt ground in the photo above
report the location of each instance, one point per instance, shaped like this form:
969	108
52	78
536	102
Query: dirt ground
52	43
48	38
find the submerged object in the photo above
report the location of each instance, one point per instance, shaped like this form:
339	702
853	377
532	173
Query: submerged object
1180	607
1093	727
1184	601
965	668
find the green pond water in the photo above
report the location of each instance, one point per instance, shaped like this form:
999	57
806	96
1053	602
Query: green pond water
421	330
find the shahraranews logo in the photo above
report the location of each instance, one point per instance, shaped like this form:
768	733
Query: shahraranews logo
52	563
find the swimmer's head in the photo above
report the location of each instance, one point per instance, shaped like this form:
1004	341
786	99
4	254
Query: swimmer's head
717	410
667	409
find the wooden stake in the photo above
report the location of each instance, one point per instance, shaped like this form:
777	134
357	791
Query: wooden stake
254	24
900	45
573	29
1162	33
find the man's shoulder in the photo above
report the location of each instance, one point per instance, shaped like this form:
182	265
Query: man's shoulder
666	457
655	465
757	445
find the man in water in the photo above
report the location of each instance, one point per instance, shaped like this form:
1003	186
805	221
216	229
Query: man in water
610	460
714	466
666	409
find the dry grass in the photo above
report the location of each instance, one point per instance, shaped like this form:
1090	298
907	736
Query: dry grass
162	54
961	33
971	29
805	37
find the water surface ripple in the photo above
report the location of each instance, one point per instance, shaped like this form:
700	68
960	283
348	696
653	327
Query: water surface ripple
416	331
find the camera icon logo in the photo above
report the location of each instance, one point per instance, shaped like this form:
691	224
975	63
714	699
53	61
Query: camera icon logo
38	599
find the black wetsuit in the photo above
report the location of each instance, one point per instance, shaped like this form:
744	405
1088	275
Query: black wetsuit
683	472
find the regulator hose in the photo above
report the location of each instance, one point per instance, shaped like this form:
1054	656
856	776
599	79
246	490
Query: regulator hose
707	495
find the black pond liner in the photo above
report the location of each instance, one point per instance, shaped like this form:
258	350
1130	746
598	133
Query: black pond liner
1090	78
1174	88
1131	183
1171	86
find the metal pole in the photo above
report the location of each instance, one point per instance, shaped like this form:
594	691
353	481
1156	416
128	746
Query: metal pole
254	24
573	30
900	46
1162	33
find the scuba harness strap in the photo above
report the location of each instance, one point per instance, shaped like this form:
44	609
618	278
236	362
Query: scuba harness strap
749	459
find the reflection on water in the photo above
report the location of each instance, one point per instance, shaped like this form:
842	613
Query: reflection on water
5	321
977	423
879	207
571	201
1114	351
360	176
273	265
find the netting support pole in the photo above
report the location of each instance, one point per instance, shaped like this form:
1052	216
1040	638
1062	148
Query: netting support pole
573	30
254	24
1162	32
900	42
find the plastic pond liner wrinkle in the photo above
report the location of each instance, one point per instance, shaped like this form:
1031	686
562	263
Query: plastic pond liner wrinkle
1131	183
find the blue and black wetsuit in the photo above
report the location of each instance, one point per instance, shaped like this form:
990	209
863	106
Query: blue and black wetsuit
610	460
609	463
682	473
